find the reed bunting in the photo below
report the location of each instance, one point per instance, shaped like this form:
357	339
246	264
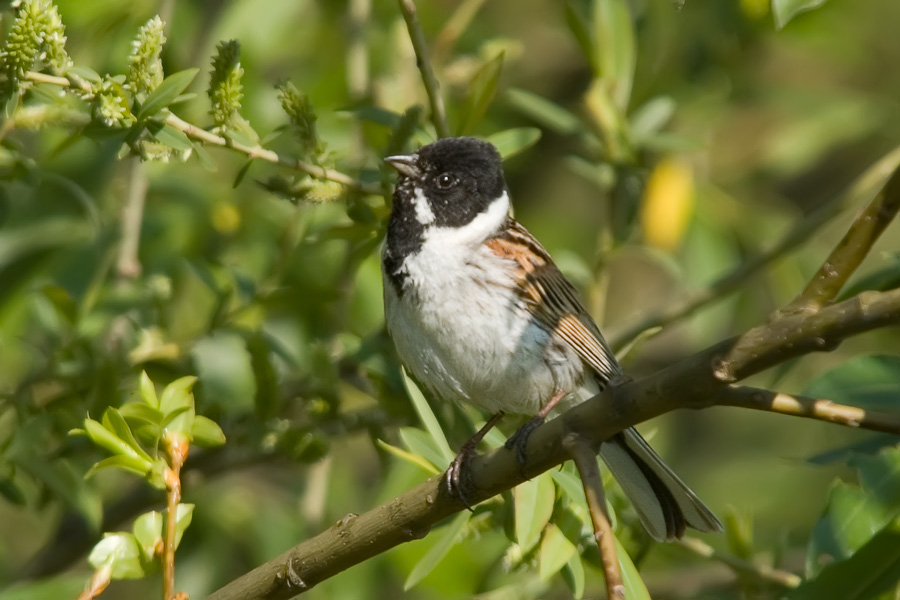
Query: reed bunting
480	314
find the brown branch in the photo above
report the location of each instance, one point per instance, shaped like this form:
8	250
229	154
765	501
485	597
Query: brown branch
585	458
432	87
810	408
863	187
177	448
690	383
853	248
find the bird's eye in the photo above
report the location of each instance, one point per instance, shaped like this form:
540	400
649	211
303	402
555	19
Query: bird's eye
445	181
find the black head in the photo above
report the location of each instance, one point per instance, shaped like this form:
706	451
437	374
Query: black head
446	184
457	177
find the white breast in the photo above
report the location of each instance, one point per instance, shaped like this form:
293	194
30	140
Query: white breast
460	329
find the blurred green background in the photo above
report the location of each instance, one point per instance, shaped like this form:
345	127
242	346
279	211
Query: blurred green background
742	129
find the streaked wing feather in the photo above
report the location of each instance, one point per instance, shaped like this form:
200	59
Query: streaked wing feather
554	300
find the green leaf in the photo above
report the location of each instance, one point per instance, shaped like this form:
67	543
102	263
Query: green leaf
184	515
413	459
173	138
148	531
426	415
480	93
225	366
438	551
849	521
114	422
138	411
60	586
548	114
635	589
177	396
513	141
556	550
148	391
166	93
421	443
533	509
573	574
650	117
581	28
131	464
615	48
871	571
206	433
121	552
785	10
104	438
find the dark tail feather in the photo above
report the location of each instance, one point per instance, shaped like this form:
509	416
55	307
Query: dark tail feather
664	503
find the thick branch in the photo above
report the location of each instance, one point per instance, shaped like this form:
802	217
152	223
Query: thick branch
687	384
432	87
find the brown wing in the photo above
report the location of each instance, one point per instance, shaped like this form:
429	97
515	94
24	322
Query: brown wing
553	300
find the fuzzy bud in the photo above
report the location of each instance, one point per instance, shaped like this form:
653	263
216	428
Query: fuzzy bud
225	89
146	71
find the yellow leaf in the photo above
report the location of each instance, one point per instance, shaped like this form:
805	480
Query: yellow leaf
668	204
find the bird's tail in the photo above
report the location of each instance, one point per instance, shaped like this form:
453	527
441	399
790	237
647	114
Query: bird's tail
664	503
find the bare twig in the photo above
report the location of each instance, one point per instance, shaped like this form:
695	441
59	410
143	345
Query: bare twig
128	265
862	187
432	87
785	579
853	248
692	382
257	152
177	448
585	458
810	408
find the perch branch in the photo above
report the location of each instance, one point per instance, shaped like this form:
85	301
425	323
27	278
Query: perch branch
411	515
585	458
432	87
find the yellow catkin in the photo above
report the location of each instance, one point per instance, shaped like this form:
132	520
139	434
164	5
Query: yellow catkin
668	204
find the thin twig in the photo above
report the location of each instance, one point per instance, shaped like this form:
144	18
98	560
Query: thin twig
585	459
810	408
853	248
779	577
432	87
257	152
862	187
177	448
128	266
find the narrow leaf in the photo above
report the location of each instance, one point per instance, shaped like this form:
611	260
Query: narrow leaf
481	92
177	396
533	508
426	415
206	432
785	10
166	93
554	553
131	464
438	551
512	141
422	444
148	391
114	422
409	457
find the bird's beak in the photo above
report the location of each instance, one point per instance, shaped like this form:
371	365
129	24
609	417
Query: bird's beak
405	164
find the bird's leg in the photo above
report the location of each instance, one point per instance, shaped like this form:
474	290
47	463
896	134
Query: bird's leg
520	438
454	475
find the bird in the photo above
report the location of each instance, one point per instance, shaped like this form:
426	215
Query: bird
480	314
